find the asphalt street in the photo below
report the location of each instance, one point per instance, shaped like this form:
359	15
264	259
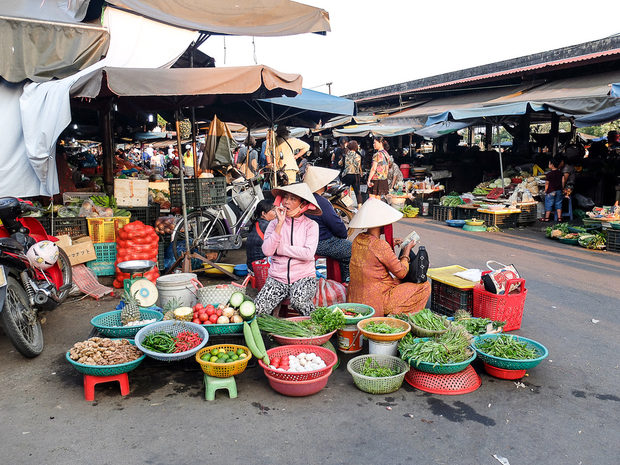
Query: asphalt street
565	411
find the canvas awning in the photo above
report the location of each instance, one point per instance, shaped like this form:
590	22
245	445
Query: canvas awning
375	130
42	50
149	89
347	120
600	117
268	18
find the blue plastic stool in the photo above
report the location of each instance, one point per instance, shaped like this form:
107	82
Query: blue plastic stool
212	384
569	213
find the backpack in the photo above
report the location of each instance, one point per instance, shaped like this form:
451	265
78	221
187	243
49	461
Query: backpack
418	266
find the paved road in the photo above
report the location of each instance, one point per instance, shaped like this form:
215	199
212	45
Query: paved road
566	413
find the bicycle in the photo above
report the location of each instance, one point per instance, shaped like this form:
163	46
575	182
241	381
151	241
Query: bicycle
214	230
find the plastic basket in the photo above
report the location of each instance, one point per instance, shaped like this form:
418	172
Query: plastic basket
368	312
221	329
502	373
528	214
313	341
172	327
441	368
200	192
613	240
403	325
217	294
297	388
443	213
147	215
330	358
73	227
506	220
511	364
109	323
374	385
496	307
106	370
106	256
463	382
224	370
105	229
261	270
446	299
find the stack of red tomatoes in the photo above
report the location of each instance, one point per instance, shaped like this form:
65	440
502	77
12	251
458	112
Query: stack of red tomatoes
206	315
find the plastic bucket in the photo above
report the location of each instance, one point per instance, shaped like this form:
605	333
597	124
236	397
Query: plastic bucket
404	168
350	339
179	286
382	348
424	208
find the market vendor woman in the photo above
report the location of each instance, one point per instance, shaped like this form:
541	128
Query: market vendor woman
290	241
372	261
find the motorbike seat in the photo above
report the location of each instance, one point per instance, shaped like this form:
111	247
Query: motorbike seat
10	244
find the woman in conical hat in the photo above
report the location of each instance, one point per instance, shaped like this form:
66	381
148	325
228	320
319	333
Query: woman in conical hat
372	261
290	241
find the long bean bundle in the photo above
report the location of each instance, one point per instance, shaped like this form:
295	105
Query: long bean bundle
450	347
505	346
428	320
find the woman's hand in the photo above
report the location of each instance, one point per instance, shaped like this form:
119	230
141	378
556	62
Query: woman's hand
398	241
280	214
408	248
370	184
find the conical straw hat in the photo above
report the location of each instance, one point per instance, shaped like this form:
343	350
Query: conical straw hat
317	177
300	189
374	213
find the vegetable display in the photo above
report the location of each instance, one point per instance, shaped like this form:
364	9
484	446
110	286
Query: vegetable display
104	351
592	241
136	241
451	200
476	326
322	321
410	211
298	363
222	356
254	340
450	347
506	346
381	328
167	344
165	224
373	369
428	320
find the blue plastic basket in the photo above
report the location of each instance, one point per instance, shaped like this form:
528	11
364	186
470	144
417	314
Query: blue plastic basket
367	310
106	370
510	364
172	327
109	323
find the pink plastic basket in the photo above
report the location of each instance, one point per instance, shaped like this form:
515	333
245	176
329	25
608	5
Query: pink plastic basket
313	341
297	388
329	357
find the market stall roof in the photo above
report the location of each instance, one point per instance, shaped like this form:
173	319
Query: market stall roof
375	130
42	50
340	121
441	129
268	18
148	89
600	117
261	133
615	89
490	112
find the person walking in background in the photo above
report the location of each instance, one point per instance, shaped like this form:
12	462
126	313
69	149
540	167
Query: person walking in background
377	178
553	191
288	150
395	176
339	152
352	171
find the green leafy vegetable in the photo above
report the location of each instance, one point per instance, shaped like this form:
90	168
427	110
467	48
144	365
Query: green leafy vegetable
450	347
373	369
506	346
381	328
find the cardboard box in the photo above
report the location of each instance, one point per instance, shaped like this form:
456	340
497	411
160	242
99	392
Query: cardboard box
131	192
80	250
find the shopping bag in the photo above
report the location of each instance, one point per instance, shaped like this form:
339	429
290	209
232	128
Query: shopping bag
329	292
496	279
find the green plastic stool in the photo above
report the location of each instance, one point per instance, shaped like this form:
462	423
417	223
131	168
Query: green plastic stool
212	384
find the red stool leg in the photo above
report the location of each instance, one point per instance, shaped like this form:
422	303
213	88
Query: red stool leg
90	381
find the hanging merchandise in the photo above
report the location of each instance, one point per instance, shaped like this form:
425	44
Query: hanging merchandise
136	241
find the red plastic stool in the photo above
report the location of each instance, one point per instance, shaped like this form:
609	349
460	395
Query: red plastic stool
332	267
90	381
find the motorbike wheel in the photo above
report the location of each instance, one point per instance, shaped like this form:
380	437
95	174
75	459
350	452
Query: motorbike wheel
197	222
20	322
65	267
345	215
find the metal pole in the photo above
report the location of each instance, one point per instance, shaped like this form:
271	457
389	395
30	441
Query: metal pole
499	150
187	260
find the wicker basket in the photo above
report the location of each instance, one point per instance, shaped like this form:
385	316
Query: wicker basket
329	357
511	364
106	370
109	323
172	327
223	370
374	385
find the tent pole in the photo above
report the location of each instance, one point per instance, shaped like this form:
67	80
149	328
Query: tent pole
555	133
187	261
108	147
501	165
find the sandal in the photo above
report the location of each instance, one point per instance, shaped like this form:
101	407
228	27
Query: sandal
544	220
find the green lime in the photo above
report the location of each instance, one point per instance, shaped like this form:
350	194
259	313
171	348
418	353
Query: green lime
240	351
234	357
220	360
230	353
214	351
213	359
205	356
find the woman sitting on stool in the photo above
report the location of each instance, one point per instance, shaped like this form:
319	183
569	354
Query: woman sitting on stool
264	213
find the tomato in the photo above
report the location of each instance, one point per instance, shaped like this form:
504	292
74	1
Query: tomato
198	307
196	320
275	361
218	312
210	309
207	323
213	318
203	317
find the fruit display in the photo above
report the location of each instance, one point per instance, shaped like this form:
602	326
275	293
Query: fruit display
104	351
298	363
165	224
131	310
223	356
236	310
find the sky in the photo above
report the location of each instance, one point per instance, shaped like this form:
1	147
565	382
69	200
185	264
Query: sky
378	43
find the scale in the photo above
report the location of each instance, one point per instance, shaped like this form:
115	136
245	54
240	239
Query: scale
143	289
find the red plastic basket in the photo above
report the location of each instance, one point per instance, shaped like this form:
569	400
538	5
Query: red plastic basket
505	307
330	358
261	270
298	388
503	373
452	384
303	341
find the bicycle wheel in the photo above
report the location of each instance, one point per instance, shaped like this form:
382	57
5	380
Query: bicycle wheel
345	215
20	321
197	223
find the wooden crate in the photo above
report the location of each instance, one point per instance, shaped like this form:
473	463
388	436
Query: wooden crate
131	192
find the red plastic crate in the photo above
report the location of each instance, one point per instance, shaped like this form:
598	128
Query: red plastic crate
261	269
506	307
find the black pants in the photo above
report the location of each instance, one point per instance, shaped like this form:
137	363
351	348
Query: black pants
353	180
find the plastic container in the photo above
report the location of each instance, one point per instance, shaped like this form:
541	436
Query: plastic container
374	385
106	256
389	337
105	229
200	192
443	213
261	270
105	370
297	388
503	373
447	299
330	358
507	363
350	339
109	323
177	285
425	208
172	327
404	168
223	370
382	347
496	307
463	382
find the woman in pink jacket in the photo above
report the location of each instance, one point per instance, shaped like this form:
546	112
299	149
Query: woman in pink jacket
290	241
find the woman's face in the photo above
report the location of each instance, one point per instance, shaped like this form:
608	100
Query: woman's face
292	203
269	215
377	144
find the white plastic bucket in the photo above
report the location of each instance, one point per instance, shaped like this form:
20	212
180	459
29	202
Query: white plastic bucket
179	286
424	208
350	339
382	348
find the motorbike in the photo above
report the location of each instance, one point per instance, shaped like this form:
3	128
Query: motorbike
340	197
26	290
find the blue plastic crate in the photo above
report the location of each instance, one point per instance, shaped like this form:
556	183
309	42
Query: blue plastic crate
106	256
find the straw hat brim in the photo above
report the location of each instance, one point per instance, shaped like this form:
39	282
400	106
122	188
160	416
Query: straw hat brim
374	213
301	190
317	177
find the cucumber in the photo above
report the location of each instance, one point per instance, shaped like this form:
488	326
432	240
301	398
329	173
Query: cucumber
249	340
258	338
236	299
247	310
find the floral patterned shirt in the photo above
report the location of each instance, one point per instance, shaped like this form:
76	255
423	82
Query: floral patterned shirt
383	159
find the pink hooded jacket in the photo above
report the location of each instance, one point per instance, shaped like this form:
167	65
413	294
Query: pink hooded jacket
292	251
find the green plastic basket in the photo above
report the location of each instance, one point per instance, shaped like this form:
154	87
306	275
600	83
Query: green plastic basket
439	368
510	364
373	385
229	328
109	324
106	370
366	310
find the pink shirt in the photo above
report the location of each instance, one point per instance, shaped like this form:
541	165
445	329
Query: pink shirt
292	251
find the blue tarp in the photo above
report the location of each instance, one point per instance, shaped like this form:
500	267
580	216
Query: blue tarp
509	109
599	117
375	130
313	101
615	90
441	129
